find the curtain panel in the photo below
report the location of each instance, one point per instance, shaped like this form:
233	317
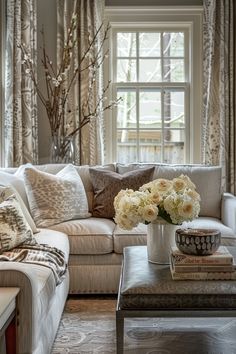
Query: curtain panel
218	120
89	142
20	121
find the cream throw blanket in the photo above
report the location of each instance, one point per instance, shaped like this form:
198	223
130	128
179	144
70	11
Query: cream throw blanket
35	253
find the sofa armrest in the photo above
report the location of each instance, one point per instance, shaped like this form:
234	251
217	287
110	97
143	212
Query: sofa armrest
228	210
13	274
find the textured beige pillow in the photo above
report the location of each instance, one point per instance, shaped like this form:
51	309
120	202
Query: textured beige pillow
7	191
14	229
55	198
107	184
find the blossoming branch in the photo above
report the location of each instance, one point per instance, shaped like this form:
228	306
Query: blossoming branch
59	81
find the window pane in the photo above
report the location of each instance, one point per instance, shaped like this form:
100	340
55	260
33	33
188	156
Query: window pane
149	70
174	70
126	112
150	109
174	146
127	146
150	145
126	44
173	44
149	44
174	109
150	153
126	70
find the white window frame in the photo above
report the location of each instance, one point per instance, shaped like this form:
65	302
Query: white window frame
137	18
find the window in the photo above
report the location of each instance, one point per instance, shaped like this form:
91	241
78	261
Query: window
152	71
152	82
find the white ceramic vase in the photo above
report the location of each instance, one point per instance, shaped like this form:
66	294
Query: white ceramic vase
160	239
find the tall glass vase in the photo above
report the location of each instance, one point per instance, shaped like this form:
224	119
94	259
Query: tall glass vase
62	149
160	239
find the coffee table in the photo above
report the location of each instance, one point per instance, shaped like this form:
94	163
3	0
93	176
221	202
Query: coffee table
147	290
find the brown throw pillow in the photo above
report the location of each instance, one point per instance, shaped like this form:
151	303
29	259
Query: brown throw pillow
107	184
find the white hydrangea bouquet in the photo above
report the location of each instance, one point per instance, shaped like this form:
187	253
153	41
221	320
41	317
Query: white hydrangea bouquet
175	201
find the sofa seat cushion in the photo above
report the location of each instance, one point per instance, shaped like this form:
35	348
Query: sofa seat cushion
54	239
123	238
211	223
95	259
137	236
88	236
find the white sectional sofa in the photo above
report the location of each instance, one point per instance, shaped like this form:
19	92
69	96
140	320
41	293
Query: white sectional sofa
94	248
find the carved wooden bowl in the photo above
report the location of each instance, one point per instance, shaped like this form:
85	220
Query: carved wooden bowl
198	242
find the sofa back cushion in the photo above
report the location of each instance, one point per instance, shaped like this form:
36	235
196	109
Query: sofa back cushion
9	177
206	178
107	185
53	169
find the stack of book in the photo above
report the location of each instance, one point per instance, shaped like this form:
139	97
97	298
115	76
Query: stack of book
219	266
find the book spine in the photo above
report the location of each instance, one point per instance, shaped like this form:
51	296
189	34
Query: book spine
204	276
185	260
203	268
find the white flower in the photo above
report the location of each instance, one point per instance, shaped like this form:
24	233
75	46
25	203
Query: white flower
188	181
156	197
175	200
163	185
193	194
179	184
55	82
150	213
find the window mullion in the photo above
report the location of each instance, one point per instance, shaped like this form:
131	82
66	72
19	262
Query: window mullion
162	101
137	95
138	117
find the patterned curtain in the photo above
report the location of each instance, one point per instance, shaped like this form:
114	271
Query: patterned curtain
219	126
20	122
89	142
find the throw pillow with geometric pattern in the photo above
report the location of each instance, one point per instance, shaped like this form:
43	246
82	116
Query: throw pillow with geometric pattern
55	198
14	229
7	191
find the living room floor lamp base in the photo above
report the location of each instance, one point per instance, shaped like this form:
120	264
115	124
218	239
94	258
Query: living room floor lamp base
160	238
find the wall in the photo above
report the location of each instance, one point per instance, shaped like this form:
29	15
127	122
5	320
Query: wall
47	18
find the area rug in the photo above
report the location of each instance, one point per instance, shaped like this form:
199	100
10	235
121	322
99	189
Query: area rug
88	327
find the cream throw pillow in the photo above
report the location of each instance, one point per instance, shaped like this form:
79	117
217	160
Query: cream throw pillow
55	198
14	229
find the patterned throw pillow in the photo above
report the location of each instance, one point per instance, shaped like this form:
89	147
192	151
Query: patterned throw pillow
14	229
7	191
107	184
55	198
